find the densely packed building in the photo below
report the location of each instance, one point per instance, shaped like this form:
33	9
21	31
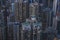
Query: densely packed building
29	20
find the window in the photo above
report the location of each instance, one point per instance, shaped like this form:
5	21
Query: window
58	27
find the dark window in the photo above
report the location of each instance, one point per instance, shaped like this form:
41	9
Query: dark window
58	27
12	19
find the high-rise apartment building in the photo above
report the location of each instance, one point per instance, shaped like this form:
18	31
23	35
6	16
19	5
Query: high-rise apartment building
29	19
